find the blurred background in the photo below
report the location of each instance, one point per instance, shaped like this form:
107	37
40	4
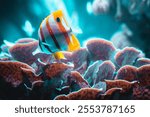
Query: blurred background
21	18
124	22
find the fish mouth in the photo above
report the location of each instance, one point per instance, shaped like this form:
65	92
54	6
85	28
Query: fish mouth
68	31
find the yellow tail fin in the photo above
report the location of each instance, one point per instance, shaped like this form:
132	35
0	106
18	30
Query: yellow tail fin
59	55
74	44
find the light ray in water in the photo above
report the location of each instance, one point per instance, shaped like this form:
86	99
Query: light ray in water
89	7
28	28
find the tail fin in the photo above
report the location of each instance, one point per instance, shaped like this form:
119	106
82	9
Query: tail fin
74	44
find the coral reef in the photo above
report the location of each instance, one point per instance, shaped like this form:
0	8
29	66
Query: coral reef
100	49
135	17
99	71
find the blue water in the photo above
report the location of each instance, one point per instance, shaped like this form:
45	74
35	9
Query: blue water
25	16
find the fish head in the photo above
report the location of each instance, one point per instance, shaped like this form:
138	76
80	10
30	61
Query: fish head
56	35
61	21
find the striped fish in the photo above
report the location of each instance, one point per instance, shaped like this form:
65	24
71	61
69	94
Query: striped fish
55	35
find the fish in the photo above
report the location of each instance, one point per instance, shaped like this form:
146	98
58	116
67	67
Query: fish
55	35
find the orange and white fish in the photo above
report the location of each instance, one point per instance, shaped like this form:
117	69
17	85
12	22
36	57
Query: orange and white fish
55	35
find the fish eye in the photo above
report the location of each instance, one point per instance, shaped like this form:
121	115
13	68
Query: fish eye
58	19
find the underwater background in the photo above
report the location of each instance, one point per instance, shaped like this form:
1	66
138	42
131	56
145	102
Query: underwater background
112	62
21	18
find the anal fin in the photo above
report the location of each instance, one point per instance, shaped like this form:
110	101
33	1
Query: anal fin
74	44
59	55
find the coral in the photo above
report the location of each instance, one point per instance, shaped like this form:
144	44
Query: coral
91	72
52	70
14	72
68	55
98	71
141	93
95	94
22	50
80	60
101	85
105	71
121	39
142	61
127	72
83	94
78	79
117	94
5	48
100	6
125	85
127	56
100	49
144	75
134	14
15	78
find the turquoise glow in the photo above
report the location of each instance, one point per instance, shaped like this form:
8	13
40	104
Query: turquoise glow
28	28
26	19
89	7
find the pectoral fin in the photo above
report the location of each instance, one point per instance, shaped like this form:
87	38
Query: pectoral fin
74	44
59	55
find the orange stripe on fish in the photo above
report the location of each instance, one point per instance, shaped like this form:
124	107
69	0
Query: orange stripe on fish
59	14
63	30
51	33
